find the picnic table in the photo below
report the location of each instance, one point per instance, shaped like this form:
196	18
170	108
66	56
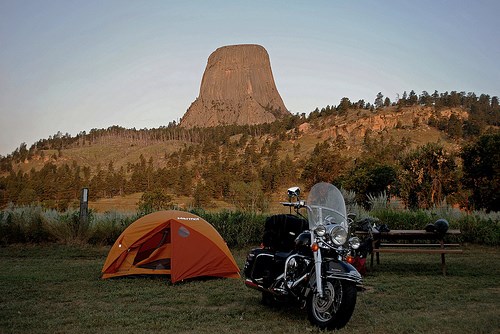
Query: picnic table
413	241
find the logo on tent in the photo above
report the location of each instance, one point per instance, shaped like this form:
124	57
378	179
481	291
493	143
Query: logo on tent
188	218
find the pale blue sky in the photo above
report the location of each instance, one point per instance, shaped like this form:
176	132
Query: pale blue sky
71	66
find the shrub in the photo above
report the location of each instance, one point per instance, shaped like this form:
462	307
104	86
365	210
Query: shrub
23	224
477	227
107	227
236	228
67	228
239	229
378	202
480	227
403	220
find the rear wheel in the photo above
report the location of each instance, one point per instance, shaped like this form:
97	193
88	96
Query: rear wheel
335	308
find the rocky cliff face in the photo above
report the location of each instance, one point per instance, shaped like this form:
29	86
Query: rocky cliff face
354	130
237	88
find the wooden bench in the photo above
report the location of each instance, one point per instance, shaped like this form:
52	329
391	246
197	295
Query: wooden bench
413	241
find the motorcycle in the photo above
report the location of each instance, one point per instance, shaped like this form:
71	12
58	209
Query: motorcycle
360	253
304	260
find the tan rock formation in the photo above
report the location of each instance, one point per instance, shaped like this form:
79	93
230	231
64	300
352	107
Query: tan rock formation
355	130
237	88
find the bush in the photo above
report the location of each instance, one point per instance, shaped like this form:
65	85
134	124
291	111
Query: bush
34	224
477	227
239	229
23	224
481	228
236	228
61	226
403	220
107	227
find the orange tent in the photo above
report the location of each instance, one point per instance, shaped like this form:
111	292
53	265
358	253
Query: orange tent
176	243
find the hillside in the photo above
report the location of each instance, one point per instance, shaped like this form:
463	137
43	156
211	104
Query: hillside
411	123
210	167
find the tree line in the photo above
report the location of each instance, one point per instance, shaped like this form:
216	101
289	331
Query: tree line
483	110
240	164
245	173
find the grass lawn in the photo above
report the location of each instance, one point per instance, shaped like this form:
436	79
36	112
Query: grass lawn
57	289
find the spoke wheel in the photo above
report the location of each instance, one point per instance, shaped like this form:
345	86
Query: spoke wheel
325	308
334	309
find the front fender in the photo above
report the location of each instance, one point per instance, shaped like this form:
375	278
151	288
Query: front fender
342	270
337	270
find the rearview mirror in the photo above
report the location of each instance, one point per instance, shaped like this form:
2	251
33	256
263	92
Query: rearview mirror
294	192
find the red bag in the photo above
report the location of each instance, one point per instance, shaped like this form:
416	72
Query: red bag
360	265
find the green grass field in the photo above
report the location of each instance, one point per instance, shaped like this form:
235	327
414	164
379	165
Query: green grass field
57	289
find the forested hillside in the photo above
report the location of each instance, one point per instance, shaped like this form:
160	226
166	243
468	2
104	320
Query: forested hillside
422	149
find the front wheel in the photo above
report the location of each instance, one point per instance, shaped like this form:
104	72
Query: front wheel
334	309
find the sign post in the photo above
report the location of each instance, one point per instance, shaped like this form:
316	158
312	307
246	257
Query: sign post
84	208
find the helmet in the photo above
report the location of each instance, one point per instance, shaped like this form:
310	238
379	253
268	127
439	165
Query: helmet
441	225
430	228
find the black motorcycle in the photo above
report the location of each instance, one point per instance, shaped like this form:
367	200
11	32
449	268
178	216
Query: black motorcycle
305	260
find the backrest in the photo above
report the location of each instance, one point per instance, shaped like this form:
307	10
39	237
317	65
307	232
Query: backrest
281	230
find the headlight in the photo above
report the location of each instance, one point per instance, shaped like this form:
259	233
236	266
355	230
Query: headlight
338	234
354	242
320	230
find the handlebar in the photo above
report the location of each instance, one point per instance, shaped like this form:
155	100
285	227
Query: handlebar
297	205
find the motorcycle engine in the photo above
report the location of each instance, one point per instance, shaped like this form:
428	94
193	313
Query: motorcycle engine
295	269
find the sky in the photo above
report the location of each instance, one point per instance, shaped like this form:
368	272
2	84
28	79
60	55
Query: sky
71	66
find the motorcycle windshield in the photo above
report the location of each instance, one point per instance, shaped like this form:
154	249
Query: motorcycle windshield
326	206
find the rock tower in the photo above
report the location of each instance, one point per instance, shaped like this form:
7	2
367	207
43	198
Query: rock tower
237	88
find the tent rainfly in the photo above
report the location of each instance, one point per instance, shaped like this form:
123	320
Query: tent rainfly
175	243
